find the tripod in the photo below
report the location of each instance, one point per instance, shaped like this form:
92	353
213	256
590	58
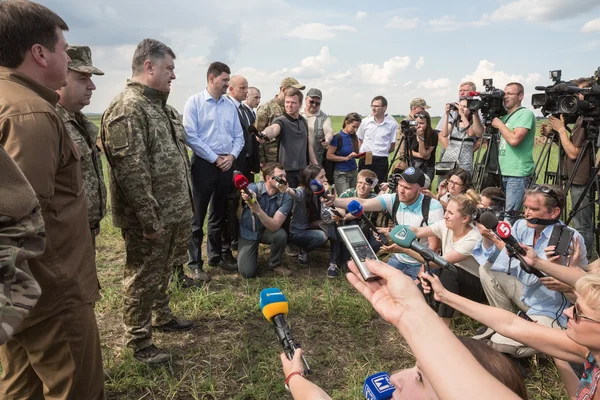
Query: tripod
406	140
542	164
486	167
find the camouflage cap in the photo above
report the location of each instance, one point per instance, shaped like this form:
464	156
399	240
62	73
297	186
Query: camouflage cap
291	82
419	102
81	60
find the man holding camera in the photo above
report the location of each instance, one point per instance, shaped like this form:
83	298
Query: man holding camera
377	135
261	222
515	153
583	220
320	130
408	207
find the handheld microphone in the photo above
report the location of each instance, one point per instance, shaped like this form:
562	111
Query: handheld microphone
356	209
404	237
274	307
378	387
241	183
504	231
319	190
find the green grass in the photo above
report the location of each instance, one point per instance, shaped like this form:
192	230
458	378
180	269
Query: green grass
233	354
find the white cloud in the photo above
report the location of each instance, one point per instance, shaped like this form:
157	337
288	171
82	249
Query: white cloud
360	15
444	24
318	31
442	83
420	62
591	26
486	69
382	75
407	83
542	10
402	24
315	63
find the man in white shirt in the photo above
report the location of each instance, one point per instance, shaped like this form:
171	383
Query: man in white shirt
377	135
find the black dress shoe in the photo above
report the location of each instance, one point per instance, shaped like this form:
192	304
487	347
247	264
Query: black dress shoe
225	265
175	325
229	258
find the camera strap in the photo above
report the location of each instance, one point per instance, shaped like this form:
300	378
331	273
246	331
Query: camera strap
542	221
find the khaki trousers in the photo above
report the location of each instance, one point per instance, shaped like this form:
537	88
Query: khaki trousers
502	290
59	358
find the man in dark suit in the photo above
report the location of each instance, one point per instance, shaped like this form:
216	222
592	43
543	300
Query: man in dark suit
247	162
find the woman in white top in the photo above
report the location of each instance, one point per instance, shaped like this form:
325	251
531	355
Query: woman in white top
459	237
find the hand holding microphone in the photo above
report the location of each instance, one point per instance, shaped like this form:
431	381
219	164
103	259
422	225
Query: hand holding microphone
274	307
378	387
356	209
241	183
319	190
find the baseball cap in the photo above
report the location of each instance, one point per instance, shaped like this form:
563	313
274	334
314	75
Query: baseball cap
315	93
413	175
291	82
419	102
81	60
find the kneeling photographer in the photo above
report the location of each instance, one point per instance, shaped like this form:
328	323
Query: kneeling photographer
573	145
408	206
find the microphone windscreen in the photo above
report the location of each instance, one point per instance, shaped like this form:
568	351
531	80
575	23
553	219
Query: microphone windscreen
489	220
378	387
240	181
272	303
403	236
316	186
355	208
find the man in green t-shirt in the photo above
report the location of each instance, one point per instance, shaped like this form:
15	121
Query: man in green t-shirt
515	153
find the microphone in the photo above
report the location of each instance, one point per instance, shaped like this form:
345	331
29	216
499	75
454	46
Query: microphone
513	248
404	237
319	190
378	387
274	307
356	209
241	183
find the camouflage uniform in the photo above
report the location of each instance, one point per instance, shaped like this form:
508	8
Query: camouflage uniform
264	117
22	236
150	189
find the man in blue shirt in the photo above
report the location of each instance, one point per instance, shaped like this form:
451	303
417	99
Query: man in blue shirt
214	133
542	207
261	221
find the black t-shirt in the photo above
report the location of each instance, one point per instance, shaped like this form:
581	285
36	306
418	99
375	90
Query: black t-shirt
433	142
293	144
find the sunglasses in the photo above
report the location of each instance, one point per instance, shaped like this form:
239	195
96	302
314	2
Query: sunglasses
314	103
546	190
422	116
578	315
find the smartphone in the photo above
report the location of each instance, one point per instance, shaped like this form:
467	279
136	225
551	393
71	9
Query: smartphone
564	242
555	236
359	249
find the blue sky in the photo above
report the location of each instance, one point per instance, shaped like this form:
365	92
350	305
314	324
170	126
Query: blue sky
351	50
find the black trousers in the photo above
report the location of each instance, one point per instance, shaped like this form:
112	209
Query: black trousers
379	166
208	182
462	283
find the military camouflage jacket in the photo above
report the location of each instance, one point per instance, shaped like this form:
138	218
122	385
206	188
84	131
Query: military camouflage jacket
149	168
264	117
84	134
22	237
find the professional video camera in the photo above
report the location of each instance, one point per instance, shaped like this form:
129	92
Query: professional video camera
408	127
490	102
563	98
476	214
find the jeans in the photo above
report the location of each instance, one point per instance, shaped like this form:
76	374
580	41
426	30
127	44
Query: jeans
411	270
514	187
583	220
309	239
344	180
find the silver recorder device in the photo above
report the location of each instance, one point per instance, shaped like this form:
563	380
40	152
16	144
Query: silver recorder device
359	249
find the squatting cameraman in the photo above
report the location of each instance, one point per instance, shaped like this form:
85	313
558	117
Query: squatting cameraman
583	220
515	152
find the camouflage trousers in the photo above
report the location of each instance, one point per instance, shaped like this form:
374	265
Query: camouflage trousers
269	151
146	280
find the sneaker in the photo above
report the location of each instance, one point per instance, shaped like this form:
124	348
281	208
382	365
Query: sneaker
291	250
151	355
200	276
333	271
283	271
483	333
303	258
175	325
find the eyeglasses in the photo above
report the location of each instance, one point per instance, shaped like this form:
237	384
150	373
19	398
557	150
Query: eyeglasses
451	182
314	103
577	315
546	190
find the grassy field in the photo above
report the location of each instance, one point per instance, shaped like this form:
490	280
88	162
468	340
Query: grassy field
233	354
